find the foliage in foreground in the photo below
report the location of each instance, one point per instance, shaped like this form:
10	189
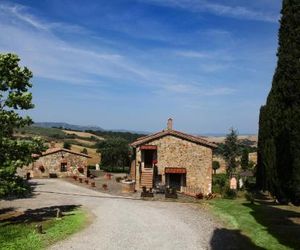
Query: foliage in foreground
265	226
14	96
23	236
279	125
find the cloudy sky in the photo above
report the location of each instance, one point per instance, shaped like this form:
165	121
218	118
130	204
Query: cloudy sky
132	64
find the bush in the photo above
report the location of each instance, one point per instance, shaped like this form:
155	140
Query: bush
16	186
115	169
84	151
219	182
67	145
229	193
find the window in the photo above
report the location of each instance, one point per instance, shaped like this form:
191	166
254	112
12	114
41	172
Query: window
63	167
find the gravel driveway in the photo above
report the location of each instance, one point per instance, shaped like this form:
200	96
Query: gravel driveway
120	223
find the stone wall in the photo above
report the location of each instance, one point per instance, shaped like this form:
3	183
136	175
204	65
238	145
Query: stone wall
178	153
51	164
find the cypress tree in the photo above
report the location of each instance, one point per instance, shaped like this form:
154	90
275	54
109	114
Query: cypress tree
279	128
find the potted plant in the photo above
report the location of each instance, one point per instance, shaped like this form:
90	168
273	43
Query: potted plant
86	181
80	170
104	186
93	184
80	179
75	177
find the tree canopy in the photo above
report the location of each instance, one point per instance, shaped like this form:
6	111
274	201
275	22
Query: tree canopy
279	125
114	152
231	150
14	96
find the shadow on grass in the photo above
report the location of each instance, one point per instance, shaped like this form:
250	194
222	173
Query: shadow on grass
37	215
280	221
226	239
6	210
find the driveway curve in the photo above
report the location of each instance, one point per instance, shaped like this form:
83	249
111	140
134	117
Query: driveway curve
121	223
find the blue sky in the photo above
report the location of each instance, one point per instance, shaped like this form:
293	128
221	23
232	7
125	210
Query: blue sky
133	64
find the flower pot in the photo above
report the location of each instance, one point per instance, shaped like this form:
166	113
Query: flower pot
80	180
93	184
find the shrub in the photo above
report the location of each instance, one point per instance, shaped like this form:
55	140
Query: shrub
229	193
67	145
215	166
219	182
16	186
84	151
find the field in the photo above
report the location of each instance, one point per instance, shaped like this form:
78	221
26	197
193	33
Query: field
78	140
82	134
221	139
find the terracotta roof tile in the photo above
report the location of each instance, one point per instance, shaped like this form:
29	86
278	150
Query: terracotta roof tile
55	150
195	139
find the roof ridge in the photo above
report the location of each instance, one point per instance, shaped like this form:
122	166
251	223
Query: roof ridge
183	135
57	149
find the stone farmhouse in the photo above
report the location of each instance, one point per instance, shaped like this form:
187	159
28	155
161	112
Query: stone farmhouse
173	159
56	162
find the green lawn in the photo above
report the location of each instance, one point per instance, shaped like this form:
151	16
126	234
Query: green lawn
260	225
22	235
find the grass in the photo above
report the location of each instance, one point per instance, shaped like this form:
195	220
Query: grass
265	226
23	236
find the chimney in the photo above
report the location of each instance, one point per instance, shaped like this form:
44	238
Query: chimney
170	124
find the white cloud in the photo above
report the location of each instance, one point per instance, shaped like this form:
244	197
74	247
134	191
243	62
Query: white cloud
219	9
48	56
199	90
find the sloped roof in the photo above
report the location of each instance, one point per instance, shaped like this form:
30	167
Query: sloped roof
55	150
191	138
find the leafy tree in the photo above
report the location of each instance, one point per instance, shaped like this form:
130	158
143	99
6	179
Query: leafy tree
84	151
279	128
231	151
14	96
67	145
245	159
114	152
215	166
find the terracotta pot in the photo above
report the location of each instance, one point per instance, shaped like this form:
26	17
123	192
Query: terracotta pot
80	180
93	184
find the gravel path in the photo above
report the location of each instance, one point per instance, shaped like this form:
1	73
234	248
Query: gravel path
120	223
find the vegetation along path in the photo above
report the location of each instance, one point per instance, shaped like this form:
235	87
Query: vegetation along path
121	223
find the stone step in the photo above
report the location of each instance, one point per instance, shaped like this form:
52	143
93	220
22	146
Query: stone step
147	179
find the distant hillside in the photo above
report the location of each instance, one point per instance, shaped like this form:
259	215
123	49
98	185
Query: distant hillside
67	126
64	125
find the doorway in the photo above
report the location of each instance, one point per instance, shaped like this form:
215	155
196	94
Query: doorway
176	181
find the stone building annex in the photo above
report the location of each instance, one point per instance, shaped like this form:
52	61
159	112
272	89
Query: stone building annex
56	162
173	159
